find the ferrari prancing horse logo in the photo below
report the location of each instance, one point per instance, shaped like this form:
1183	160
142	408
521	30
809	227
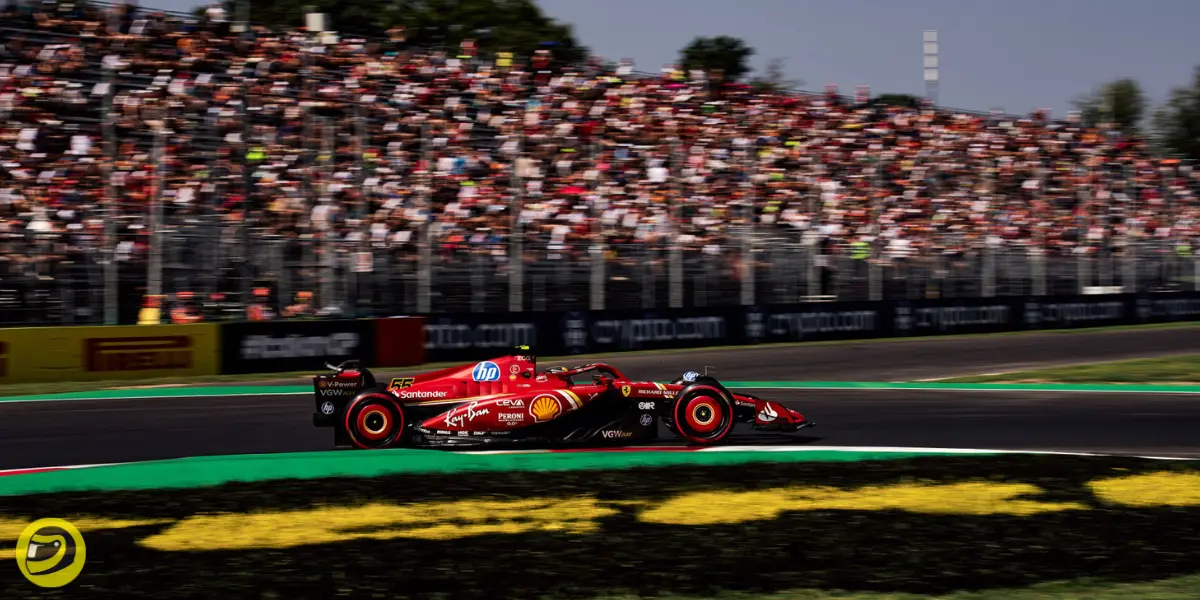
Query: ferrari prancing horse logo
625	390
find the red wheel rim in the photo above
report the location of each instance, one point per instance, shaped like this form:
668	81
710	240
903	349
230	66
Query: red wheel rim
374	422
703	414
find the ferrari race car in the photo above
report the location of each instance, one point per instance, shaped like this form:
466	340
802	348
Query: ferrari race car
508	402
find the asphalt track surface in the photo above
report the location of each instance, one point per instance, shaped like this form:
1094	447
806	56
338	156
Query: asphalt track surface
35	434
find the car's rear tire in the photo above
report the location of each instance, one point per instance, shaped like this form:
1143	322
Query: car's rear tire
374	420
703	414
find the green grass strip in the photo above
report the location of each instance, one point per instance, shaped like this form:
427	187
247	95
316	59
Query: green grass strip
1183	369
1178	588
206	471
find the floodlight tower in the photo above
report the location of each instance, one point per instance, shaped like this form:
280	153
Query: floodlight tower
932	74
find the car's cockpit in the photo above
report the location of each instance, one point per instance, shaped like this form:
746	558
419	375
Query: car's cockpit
592	373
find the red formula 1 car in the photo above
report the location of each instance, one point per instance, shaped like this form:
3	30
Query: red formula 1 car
508	402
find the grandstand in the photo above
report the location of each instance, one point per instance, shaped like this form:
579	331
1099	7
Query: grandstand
386	179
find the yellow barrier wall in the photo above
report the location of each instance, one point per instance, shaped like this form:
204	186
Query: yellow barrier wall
39	354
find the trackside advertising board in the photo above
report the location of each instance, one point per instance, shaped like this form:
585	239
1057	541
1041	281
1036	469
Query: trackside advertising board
40	354
45	354
473	336
477	336
277	346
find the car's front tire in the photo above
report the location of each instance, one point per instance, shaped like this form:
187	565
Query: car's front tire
703	414
374	420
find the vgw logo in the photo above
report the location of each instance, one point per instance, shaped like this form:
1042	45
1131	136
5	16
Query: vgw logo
486	371
51	553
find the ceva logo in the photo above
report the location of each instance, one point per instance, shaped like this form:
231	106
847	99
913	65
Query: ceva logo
486	371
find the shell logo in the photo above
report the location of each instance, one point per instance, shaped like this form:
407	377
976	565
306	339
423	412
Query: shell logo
544	408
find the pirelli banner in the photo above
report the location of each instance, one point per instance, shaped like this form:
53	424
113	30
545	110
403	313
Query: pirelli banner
40	354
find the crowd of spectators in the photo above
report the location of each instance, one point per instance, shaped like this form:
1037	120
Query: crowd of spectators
360	143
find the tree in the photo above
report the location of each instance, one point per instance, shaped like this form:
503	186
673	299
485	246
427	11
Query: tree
774	79
1120	102
722	54
517	26
1177	121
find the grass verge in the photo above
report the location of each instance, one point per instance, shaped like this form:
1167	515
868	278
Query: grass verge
302	377
922	526
1177	588
1180	370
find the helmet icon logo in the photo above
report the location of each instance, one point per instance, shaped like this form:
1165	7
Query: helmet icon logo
51	553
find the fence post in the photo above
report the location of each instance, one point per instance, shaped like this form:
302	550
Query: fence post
1195	270
328	250
516	244
247	188
875	275
112	206
1037	273
675	278
811	248
749	272
425	251
1083	272
648	280
154	284
277	246
598	267
1129	265
989	269
478	286
360	146
596	249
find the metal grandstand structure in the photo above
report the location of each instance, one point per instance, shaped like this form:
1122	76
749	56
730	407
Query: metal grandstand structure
209	250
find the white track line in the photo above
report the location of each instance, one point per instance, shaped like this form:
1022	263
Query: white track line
904	449
26	470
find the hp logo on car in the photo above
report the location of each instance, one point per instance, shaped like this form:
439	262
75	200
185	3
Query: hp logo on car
327	408
486	371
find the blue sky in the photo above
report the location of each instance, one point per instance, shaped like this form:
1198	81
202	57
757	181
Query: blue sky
1016	55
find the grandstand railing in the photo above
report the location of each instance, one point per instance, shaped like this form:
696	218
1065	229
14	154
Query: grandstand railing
50	278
